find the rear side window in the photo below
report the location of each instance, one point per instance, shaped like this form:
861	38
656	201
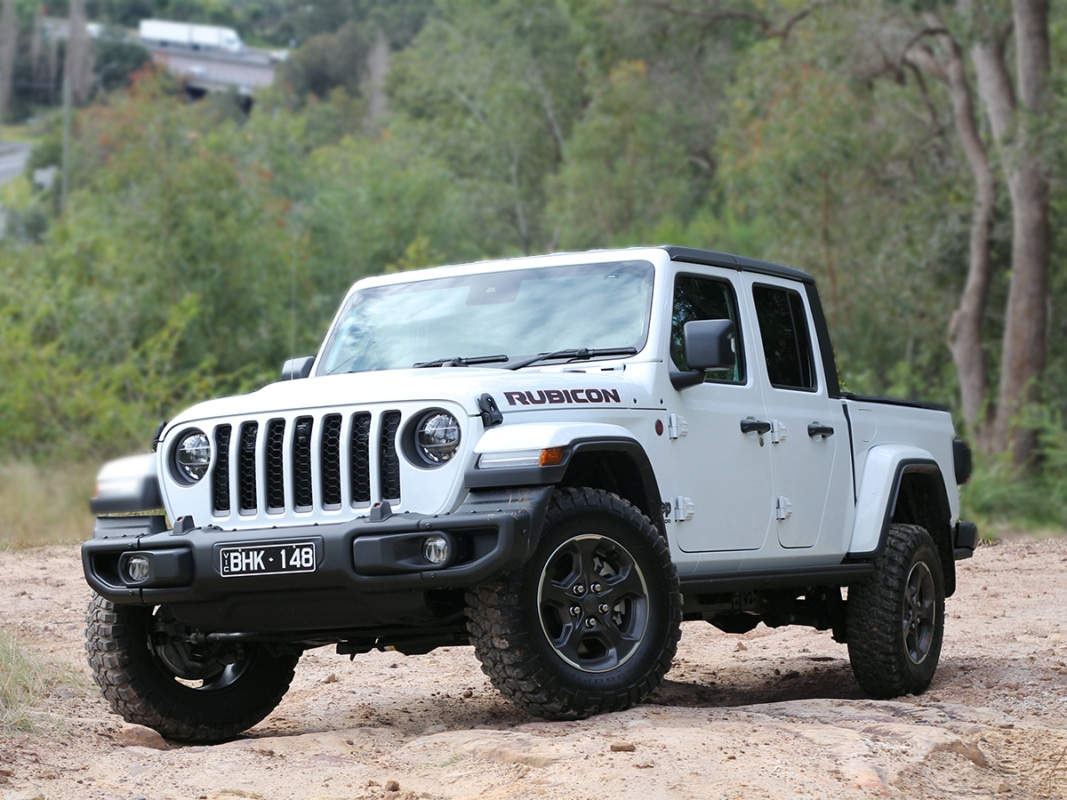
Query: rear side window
783	327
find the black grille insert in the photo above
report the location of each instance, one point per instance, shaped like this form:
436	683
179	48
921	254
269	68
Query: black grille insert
275	465
359	465
246	458
390	459
330	461
303	497
220	488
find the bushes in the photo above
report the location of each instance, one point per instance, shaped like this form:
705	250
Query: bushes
82	391
1001	497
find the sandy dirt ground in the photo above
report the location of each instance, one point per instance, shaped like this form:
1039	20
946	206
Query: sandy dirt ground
770	714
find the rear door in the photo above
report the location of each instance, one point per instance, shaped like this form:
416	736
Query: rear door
809	440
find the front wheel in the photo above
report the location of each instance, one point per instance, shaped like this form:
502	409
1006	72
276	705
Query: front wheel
896	622
188	692
591	622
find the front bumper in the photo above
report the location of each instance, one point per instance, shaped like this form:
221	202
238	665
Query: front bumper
366	570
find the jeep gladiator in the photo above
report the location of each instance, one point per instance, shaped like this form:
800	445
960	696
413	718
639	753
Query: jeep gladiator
555	459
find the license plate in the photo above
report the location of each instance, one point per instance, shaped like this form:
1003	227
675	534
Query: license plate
271	559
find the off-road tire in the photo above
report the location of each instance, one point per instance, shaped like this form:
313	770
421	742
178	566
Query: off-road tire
896	621
142	689
532	631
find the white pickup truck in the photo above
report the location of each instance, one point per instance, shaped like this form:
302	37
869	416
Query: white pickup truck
556	459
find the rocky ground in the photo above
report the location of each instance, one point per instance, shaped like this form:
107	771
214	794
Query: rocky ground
770	714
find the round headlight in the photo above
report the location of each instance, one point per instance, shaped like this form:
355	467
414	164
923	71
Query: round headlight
192	456
437	437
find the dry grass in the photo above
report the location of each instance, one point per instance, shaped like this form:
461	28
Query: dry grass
23	680
45	504
32	688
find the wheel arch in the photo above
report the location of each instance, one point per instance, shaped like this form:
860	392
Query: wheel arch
907	486
594	455
620	466
920	498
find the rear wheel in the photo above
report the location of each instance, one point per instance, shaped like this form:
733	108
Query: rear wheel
591	622
188	692
896	621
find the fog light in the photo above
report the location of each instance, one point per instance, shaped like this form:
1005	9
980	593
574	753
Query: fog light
138	568
435	549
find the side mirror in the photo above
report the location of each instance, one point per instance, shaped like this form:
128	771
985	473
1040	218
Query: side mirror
297	368
709	344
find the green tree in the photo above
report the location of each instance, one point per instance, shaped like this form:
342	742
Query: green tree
325	62
168	204
855	189
985	69
623	170
127	13
117	61
377	204
493	92
294	22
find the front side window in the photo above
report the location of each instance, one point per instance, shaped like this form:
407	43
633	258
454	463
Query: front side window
783	326
699	298
512	313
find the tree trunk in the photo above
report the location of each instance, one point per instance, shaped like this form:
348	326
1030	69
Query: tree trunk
79	54
35	54
1025	346
9	41
965	326
378	59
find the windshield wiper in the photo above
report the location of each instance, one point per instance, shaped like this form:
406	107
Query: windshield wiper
458	361
575	354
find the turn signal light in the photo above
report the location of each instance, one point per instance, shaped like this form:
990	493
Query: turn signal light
551	456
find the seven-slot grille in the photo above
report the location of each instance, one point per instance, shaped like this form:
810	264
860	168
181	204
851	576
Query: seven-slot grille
302	463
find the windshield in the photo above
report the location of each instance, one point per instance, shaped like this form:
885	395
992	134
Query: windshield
515	313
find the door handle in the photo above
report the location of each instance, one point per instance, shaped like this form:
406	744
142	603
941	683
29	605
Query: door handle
816	430
753	425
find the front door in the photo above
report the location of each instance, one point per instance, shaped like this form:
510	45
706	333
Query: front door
724	474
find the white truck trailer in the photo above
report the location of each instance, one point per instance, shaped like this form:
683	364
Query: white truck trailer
184	35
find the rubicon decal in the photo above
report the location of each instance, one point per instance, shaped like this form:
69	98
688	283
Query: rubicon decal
555	397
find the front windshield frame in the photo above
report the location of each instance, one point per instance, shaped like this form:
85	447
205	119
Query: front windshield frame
517	311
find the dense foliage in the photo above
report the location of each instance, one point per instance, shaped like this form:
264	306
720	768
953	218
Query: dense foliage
201	246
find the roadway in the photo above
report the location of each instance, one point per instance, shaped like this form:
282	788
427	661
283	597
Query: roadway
215	72
205	71
13	158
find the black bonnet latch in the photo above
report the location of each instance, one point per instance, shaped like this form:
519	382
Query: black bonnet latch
490	411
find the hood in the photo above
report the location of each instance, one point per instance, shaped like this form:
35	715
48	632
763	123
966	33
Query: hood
527	389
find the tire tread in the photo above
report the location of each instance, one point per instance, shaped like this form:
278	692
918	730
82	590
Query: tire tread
874	612
506	648
139	693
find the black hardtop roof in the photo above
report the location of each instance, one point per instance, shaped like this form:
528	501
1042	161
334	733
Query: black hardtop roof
713	258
